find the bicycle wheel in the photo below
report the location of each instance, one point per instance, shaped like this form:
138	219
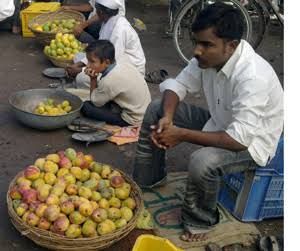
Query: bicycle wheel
185	17
258	19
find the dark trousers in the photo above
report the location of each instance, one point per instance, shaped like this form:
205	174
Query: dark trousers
109	113
90	34
205	168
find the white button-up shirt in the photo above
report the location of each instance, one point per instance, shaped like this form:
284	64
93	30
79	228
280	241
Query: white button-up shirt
245	99
7	8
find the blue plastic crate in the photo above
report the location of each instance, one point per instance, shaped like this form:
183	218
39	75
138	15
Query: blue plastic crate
255	195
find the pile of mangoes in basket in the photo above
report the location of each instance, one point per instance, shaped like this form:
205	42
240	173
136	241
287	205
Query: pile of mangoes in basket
64	46
70	194
54	26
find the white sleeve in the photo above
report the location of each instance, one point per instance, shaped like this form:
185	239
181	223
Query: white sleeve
188	80
7	9
249	101
118	39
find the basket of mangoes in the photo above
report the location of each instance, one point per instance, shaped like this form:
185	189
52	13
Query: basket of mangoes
68	201
62	49
45	26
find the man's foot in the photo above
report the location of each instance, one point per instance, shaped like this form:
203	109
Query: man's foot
16	29
186	236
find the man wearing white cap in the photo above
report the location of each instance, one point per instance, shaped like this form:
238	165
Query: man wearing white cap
120	33
88	31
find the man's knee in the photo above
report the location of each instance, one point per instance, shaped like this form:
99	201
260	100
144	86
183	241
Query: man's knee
154	111
203	164
86	108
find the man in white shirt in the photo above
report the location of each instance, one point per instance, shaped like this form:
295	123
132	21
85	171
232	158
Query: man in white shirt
120	33
88	31
240	130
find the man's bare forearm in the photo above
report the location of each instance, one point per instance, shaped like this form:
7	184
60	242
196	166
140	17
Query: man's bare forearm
170	102
92	20
215	139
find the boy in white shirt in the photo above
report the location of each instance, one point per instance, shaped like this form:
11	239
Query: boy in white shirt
120	33
121	95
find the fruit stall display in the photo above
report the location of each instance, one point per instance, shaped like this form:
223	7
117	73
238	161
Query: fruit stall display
68	201
46	25
55	26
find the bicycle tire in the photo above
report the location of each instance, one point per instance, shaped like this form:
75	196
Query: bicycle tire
198	4
259	21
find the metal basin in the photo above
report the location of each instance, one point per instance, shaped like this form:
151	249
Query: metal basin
24	102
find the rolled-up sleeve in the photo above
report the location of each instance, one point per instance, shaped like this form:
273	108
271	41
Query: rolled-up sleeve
248	105
188	80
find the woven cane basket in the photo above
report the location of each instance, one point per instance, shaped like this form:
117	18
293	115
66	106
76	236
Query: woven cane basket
59	62
54	241
45	37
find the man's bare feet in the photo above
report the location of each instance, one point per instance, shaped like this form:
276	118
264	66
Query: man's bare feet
186	236
16	29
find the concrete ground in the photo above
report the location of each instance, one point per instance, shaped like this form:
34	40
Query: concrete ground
22	62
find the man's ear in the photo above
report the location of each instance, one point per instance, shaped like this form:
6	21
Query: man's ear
232	45
107	61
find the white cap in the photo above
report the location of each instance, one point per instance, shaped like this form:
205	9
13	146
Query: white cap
111	4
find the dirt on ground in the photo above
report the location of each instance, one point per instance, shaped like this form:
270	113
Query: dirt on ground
21	66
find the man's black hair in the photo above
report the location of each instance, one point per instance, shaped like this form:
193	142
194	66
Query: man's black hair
102	49
225	19
109	12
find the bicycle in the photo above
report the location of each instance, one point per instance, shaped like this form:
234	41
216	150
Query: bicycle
256	15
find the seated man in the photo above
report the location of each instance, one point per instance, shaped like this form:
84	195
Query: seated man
239	131
117	30
88	31
121	95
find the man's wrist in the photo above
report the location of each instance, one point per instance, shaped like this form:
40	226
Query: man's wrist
84	24
169	117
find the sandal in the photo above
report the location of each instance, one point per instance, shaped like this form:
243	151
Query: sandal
270	243
156	77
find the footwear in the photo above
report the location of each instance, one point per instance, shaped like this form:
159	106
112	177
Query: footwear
16	30
156	77
271	243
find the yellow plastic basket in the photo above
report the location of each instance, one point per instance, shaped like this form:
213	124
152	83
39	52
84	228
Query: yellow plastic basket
34	10
148	242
